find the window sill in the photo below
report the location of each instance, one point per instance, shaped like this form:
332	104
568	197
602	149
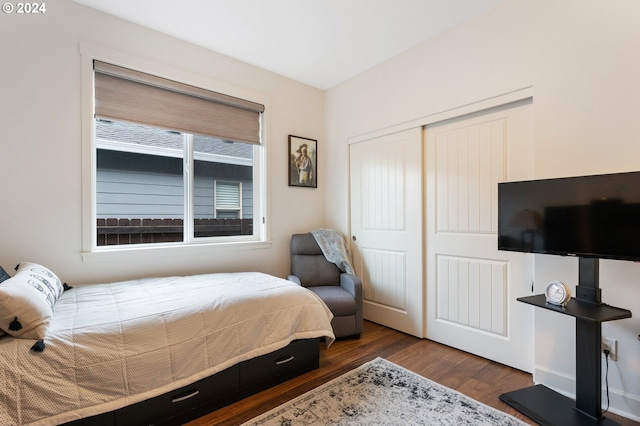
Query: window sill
142	252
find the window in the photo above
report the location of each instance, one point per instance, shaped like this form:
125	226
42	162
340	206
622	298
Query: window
228	200
140	184
173	163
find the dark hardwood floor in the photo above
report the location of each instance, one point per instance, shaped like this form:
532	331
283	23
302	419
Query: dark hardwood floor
480	379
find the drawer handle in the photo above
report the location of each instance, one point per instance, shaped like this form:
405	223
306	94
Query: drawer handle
284	360
184	396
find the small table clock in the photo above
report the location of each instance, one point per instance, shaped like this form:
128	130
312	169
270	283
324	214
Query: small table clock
557	293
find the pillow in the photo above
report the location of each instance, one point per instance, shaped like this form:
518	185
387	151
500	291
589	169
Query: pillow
27	299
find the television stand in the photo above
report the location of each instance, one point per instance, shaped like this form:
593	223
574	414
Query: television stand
548	407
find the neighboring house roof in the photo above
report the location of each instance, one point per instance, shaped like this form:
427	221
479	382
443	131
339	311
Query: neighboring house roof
128	137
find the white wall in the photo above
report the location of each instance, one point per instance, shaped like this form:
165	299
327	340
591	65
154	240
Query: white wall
40	146
582	59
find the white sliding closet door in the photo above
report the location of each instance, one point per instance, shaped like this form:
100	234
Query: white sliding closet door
471	286
386	227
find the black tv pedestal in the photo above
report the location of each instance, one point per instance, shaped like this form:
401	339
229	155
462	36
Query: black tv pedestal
548	407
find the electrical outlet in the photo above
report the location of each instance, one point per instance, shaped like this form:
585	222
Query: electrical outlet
610	345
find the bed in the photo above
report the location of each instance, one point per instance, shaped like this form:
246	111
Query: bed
161	350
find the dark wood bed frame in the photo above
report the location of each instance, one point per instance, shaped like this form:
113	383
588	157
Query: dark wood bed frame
214	392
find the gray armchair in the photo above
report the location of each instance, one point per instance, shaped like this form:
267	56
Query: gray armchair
340	291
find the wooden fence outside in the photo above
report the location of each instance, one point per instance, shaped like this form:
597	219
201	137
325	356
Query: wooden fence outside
115	231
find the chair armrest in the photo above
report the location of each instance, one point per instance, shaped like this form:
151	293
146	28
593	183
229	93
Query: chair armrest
352	284
295	279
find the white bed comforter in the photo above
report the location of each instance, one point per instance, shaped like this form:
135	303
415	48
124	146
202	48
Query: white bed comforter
111	345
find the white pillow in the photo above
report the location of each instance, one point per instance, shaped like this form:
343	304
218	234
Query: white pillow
27	299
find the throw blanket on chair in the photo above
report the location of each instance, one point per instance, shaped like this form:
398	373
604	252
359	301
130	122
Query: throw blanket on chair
334	248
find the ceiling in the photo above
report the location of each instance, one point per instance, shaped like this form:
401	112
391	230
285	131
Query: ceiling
317	42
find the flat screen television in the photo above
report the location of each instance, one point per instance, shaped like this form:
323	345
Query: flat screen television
594	216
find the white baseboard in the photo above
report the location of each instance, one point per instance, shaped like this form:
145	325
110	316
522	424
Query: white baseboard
620	402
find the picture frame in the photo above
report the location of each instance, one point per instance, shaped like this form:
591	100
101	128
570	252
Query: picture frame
303	162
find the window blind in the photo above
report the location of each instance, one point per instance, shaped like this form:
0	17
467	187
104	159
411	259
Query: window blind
129	95
227	195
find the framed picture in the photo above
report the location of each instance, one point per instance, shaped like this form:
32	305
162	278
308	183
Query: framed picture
303	155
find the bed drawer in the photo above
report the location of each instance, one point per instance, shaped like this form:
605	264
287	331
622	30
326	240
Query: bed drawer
164	407
206	395
297	358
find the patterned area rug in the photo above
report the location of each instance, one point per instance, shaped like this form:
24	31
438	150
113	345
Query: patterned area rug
382	393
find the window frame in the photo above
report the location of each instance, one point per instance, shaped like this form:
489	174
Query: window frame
90	250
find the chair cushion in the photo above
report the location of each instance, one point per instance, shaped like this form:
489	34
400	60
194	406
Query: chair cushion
305	244
309	264
337	299
314	270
